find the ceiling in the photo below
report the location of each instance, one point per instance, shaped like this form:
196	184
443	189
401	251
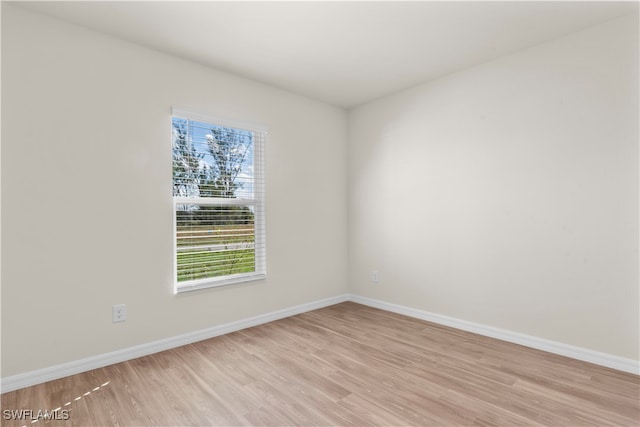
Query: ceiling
343	53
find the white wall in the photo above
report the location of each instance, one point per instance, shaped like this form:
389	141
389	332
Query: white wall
507	194
86	194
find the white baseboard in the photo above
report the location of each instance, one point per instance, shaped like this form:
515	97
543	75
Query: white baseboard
75	367
579	353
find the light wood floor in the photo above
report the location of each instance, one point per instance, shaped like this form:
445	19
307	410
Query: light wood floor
343	365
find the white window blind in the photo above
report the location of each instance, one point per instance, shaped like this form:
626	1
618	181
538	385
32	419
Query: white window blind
218	202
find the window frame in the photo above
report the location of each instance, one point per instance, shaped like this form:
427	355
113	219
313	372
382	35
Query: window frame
257	202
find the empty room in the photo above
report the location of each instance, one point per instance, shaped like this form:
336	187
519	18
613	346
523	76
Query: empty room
320	213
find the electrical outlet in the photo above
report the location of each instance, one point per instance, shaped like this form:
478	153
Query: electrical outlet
375	277
119	313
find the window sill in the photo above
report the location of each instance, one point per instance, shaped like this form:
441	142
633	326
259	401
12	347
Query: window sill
196	285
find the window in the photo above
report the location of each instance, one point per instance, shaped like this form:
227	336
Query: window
218	202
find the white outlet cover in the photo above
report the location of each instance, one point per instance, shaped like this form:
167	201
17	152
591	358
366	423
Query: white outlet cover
119	313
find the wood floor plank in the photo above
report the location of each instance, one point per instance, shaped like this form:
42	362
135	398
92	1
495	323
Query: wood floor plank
346	365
